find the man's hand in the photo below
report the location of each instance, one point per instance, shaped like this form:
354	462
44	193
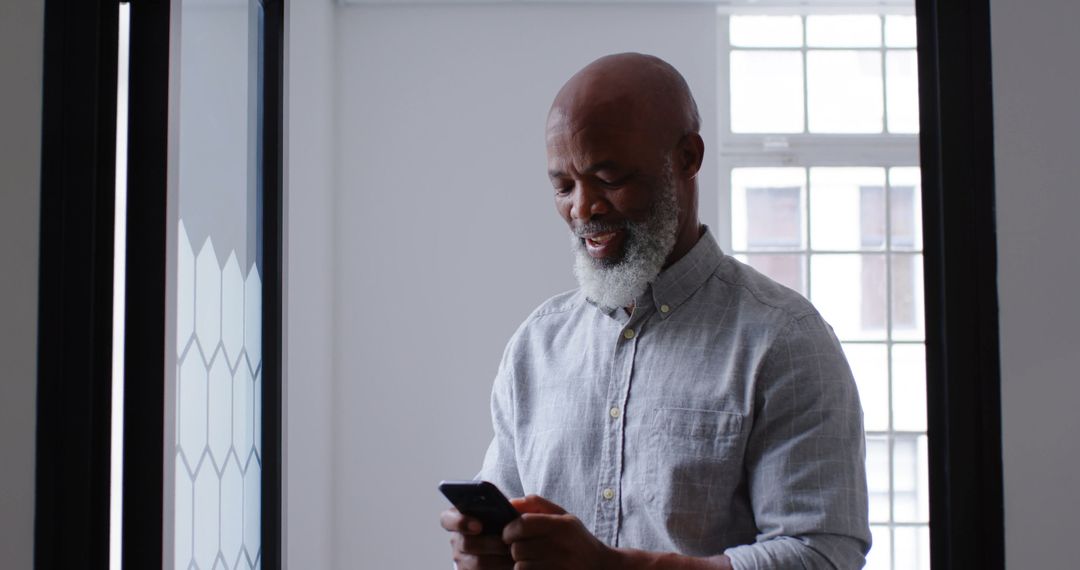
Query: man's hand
547	537
472	550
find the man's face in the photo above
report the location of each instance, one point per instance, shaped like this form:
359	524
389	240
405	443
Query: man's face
617	193
604	177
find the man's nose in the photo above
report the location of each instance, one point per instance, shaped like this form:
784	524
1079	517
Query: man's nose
588	203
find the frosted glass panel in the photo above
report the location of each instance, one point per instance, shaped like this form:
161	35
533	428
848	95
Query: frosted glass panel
218	459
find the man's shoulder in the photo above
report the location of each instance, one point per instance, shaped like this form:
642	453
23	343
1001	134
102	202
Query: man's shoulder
562	304
761	294
546	320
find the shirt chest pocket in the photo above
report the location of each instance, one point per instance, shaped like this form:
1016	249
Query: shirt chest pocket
697	465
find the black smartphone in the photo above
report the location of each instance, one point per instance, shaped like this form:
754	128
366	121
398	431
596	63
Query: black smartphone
482	501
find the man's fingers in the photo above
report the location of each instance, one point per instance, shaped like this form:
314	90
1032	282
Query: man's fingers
532	549
532	525
453	521
537	504
483	544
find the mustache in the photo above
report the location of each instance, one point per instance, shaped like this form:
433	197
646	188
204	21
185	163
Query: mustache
593	227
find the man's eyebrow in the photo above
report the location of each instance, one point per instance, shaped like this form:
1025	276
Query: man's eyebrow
592	169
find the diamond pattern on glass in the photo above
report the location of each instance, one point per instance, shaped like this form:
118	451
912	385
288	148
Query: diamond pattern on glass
232	310
207	515
207	299
218	463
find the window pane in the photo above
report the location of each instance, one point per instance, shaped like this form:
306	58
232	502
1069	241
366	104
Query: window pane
843	31
766	31
870	366
902	82
880	556
849	290
911	478
847	206
907	297
767	208
845	91
909	387
766	92
913	547
775	217
900	31
877	477
906	207
788	270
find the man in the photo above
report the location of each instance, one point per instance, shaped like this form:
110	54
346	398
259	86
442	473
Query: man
679	410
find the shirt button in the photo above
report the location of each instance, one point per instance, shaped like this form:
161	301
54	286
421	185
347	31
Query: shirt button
614	411
608	494
628	334
665	308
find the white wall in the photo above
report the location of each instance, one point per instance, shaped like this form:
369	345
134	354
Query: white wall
446	235
1037	123
21	32
308	476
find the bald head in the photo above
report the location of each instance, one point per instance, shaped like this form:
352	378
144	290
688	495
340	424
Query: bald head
623	154
629	89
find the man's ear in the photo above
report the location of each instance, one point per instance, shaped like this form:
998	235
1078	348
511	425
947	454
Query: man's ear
691	152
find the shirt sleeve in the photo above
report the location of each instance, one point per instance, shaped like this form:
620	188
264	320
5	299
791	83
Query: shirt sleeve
500	461
805	459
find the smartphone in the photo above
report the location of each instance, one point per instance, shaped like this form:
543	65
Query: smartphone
482	501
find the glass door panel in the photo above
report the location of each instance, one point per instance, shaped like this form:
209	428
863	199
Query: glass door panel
219	307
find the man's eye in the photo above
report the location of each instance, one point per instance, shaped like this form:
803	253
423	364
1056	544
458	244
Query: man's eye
562	190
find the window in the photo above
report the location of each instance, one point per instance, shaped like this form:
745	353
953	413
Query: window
821	186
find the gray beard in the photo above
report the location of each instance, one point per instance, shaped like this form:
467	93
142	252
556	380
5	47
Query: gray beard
648	244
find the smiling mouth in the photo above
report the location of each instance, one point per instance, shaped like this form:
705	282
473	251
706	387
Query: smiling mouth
604	245
598	240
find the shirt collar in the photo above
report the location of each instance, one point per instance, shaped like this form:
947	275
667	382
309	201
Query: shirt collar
675	284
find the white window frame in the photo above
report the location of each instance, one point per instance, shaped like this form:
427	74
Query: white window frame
806	150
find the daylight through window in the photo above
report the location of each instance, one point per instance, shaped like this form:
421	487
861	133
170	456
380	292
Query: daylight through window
821	187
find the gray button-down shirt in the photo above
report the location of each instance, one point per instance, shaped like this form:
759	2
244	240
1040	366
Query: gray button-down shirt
720	417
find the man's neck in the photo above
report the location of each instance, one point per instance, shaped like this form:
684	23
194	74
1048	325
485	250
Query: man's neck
684	243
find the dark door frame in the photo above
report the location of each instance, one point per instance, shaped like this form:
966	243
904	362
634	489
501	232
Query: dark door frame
967	521
78	163
75	291
75	303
